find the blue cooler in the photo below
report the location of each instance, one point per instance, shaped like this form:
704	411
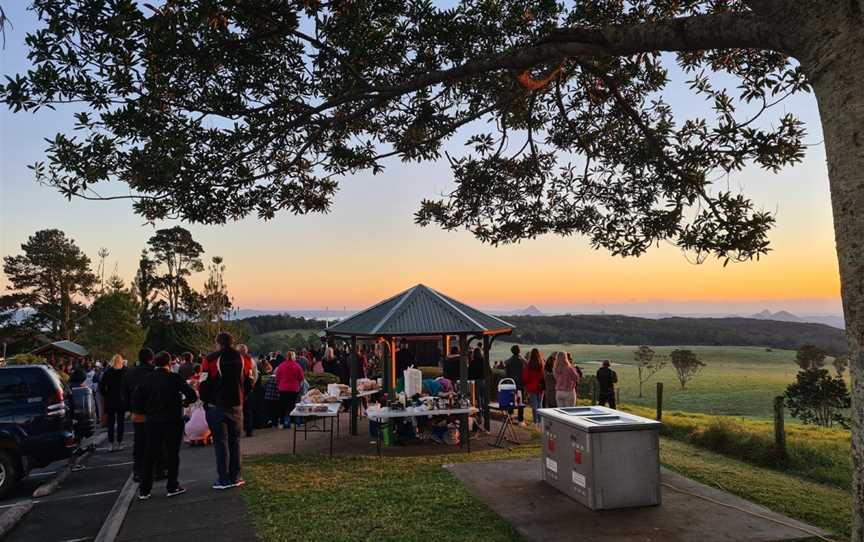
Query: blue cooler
506	393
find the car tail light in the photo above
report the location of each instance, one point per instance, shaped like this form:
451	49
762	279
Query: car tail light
71	441
56	406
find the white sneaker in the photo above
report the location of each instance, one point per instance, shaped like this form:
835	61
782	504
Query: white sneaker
119	446
111	447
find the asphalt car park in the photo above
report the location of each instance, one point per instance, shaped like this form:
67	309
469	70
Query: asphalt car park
77	510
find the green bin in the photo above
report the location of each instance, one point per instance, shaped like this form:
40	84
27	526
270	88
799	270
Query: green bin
387	434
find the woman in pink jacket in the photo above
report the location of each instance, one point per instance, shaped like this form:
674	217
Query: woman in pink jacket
289	377
566	380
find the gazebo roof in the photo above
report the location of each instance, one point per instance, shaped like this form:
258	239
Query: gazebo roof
420	311
62	347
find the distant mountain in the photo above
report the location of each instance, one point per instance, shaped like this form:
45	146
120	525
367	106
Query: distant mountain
780	316
530	310
786	316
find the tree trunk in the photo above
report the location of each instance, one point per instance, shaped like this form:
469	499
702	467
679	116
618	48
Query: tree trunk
834	63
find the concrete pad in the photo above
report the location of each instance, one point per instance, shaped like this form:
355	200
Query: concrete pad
690	511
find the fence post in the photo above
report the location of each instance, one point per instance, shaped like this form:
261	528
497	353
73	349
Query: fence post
779	427
659	401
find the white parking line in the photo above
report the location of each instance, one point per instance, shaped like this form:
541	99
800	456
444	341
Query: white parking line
58	499
91	467
16	503
82	496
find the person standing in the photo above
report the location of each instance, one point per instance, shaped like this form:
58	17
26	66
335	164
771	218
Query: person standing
532	377
549	381
111	389
606	380
161	396
250	376
477	374
404	359
289	378
223	404
330	365
513	369
187	368
566	380
132	379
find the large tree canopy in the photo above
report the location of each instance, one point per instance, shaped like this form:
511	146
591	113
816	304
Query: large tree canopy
208	110
213	109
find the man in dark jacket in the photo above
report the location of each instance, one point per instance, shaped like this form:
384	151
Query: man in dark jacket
513	369
606	380
160	397
224	407
133	378
404	359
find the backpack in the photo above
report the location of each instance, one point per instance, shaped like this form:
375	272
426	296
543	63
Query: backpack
207	386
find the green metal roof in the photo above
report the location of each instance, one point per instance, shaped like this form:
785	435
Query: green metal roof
66	347
419	311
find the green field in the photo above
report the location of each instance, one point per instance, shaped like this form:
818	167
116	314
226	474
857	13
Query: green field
737	381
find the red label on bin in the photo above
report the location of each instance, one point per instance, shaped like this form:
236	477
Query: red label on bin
577	457
551	445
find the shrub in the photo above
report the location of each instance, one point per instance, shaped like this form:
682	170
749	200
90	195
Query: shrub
25	359
320	380
817	398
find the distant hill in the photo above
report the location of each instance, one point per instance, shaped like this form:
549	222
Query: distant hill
530	310
614	329
267	323
786	316
242	314
780	316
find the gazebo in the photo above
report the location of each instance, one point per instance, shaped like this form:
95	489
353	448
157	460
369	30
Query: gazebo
61	348
419	313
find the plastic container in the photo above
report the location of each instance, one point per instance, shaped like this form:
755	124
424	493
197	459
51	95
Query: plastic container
387	434
506	393
413	382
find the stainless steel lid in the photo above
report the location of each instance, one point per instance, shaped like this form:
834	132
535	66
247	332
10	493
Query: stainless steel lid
593	419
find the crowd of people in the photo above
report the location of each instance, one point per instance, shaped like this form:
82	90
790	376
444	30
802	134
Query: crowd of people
169	398
215	397
553	381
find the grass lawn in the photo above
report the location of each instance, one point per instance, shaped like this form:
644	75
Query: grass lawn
737	381
364	498
315	497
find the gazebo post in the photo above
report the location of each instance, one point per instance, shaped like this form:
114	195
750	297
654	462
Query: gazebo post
487	382
353	362
394	377
463	385
388	370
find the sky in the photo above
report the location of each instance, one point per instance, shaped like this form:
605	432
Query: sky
368	247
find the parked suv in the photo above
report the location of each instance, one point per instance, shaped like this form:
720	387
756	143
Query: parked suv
36	422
